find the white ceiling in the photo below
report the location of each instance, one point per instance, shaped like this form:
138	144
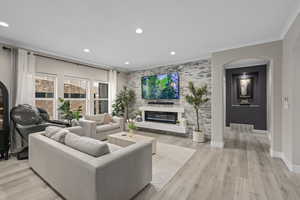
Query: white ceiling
191	28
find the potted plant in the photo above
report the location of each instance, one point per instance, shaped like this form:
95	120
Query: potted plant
123	101
72	116
131	126
197	98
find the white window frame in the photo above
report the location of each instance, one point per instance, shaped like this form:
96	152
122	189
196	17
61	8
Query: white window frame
54	76
87	95
98	99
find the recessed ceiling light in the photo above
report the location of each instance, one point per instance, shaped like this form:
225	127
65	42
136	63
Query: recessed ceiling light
4	24
139	31
127	63
86	50
172	53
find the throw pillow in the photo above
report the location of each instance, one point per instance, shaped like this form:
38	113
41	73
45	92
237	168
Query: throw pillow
86	145
60	136
107	119
51	130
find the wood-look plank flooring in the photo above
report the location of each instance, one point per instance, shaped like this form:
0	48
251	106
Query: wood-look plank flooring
243	170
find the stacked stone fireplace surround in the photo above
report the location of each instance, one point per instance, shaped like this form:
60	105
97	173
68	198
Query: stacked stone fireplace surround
198	72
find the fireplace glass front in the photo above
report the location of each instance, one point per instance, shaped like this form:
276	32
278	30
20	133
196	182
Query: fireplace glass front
164	117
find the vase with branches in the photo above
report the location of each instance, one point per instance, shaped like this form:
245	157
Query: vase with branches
124	100
197	98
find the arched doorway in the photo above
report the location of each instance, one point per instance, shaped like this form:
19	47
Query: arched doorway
245	94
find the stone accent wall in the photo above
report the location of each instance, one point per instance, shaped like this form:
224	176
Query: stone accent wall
198	72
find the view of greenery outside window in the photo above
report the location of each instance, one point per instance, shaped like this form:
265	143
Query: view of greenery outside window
100	97
75	91
45	93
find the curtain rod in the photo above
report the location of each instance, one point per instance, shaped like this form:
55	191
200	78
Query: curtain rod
10	47
68	61
6	48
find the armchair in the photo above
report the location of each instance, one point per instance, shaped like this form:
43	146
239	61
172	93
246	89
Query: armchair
100	131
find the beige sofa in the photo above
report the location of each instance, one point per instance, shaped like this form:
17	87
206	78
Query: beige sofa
118	175
100	131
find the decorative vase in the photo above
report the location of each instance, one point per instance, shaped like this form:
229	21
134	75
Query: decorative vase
131	133
198	136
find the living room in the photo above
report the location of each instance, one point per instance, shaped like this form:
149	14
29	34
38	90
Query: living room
114	100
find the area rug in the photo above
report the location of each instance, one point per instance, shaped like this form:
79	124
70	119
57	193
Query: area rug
166	163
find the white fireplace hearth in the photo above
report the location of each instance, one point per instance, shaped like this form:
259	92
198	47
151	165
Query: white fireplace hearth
163	118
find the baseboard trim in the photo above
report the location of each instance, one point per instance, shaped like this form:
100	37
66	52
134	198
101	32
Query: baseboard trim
260	131
296	169
215	144
276	154
287	162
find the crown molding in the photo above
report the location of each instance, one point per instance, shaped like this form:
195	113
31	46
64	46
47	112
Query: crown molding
290	22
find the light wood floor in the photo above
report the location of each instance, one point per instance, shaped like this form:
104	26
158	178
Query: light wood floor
242	170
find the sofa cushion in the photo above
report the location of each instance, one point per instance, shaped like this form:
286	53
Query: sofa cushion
99	118
107	127
60	136
51	130
56	133
113	147
86	145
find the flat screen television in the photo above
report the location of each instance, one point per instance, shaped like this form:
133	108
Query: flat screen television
161	86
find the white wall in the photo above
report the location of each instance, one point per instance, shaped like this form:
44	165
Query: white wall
269	51
122	81
61	68
291	91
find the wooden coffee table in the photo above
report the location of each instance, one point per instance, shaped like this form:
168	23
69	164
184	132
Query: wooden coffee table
124	139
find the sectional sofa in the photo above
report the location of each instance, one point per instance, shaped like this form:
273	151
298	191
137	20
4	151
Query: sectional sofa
118	175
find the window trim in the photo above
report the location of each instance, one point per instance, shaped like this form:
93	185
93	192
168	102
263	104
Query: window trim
98	99
55	93
87	95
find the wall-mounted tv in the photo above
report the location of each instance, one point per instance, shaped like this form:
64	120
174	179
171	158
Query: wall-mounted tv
161	86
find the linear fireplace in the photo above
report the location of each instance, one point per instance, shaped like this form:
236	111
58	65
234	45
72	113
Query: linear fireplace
164	117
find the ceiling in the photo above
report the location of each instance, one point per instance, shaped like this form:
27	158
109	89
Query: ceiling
191	28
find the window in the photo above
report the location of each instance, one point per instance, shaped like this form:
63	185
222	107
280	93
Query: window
45	93
100	97
76	90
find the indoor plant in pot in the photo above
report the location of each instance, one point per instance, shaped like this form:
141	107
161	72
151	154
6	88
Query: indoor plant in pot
197	98
72	116
124	100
